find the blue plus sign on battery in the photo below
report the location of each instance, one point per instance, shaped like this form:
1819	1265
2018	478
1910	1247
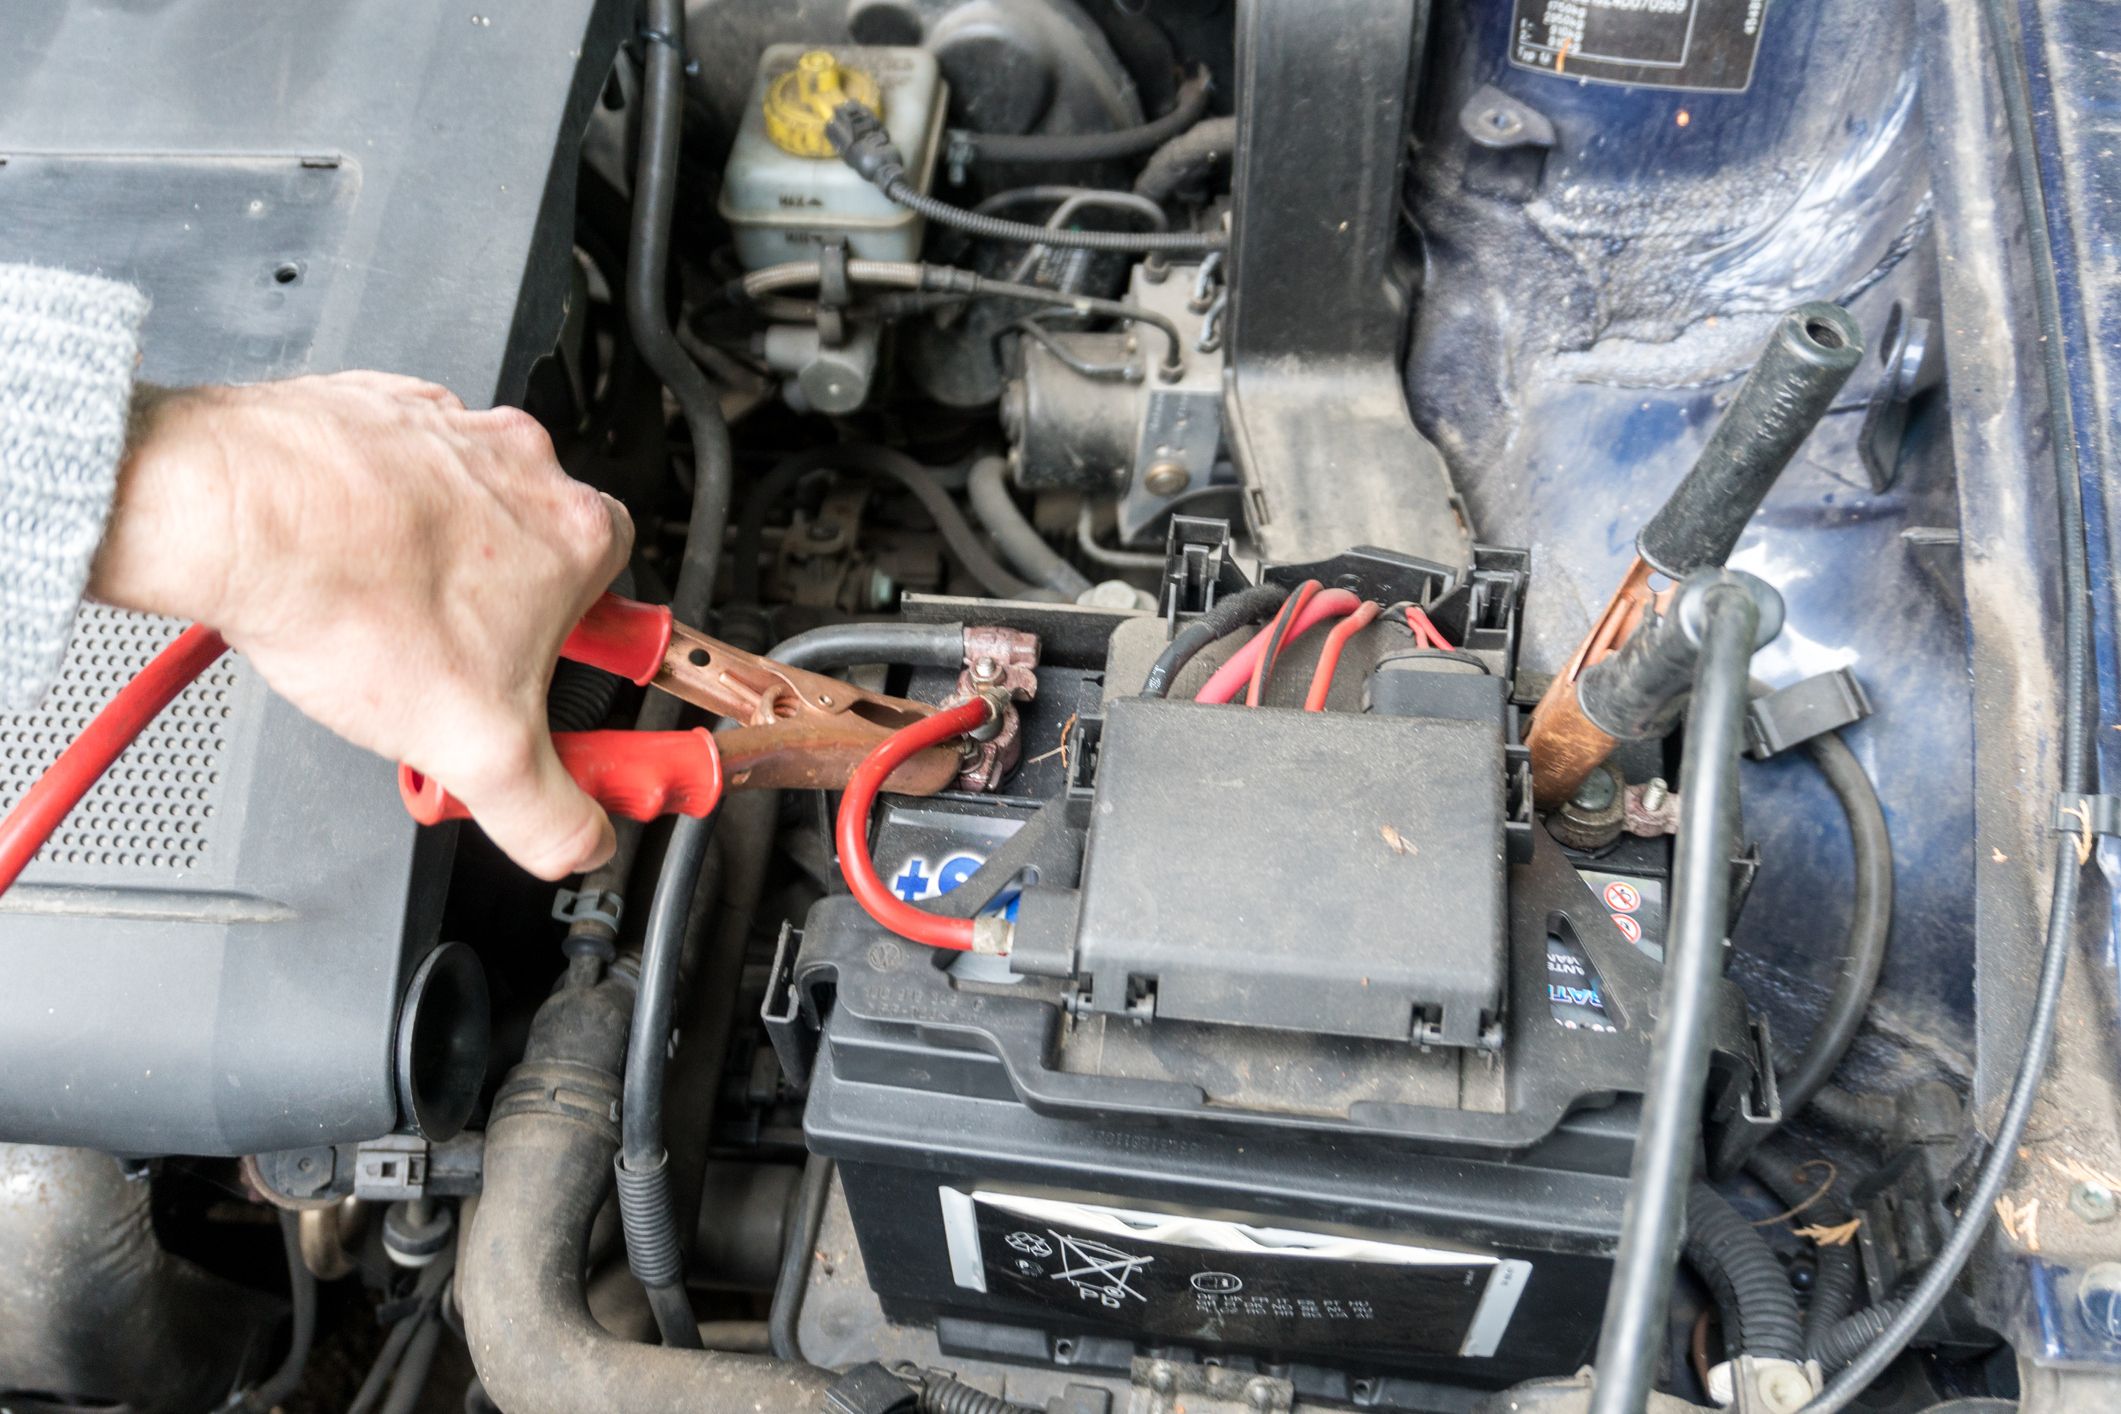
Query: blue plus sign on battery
911	884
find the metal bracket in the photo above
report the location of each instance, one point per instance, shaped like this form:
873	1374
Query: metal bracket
1795	714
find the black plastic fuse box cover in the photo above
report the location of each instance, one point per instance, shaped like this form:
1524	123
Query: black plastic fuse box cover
1328	873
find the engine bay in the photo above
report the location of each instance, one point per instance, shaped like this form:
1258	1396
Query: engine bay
1349	705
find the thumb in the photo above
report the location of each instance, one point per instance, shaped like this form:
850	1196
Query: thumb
532	809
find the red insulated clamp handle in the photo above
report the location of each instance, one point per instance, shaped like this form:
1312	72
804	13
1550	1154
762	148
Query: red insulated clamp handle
638	775
622	636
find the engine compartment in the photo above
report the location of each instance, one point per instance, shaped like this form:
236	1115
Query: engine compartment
1392	1042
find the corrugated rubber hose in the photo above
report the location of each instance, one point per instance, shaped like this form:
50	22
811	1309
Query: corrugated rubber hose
1751	1289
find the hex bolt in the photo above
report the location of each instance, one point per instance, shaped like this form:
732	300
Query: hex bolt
986	672
1260	1394
1596	792
1653	794
1161	1378
2093	1202
1166	478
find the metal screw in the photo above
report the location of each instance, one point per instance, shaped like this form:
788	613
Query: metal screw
1166	478
1654	793
2093	1202
986	672
1161	1379
1259	1394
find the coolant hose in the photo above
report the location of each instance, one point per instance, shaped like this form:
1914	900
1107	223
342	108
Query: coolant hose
1192	154
1835	1276
1759	1308
549	1149
882	463
1021	544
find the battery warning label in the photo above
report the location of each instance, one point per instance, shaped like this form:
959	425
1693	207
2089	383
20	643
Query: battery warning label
1216	1280
1575	993
1691	44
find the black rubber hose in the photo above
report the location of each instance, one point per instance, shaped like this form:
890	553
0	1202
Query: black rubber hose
1186	110
1020	542
846	645
1835	1276
428	1289
1188	157
1632	1338
579	697
653	1249
1870	925
1225	616
792	1282
1751	1290
302	1328
1843	1341
2038	1041
887	464
547	1172
655	187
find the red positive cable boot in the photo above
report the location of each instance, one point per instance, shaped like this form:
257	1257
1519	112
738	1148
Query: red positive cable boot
988	933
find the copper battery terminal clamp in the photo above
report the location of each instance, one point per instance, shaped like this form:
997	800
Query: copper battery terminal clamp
788	728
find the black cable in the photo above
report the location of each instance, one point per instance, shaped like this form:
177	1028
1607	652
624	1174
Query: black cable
892	641
1759	1309
410	1382
427	1289
1186	110
1013	531
1669	1135
2039	1037
860	139
302	1332
1835	1274
1267	659
1225	616
944	1393
653	1249
1870	925
869	460
655	187
792	1281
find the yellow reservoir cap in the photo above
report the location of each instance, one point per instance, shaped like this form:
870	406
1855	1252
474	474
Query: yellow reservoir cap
800	102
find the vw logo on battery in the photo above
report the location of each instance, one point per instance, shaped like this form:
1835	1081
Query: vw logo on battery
1218	1283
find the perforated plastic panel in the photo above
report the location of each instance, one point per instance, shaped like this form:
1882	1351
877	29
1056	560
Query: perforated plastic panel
152	813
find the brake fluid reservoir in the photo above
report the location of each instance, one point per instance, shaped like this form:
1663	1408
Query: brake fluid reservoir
785	192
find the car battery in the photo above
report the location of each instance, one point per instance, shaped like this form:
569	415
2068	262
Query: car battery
1038	1180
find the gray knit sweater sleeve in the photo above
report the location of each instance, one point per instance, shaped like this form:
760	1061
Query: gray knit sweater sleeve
68	347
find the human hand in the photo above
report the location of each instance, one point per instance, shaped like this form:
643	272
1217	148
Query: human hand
400	569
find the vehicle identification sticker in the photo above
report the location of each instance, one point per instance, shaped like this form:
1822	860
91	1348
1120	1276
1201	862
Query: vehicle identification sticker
1692	44
1212	1279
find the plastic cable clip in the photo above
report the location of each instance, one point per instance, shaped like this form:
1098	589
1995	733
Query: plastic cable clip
2087	817
1793	715
571	906
870	1389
